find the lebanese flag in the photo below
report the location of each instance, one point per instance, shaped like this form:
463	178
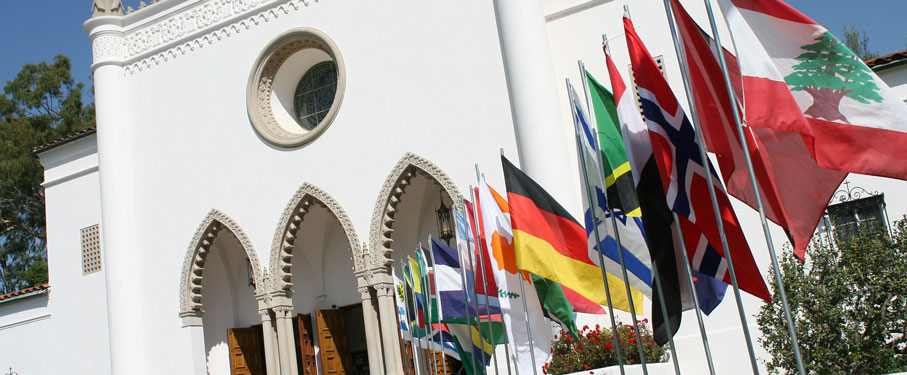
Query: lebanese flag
849	118
794	189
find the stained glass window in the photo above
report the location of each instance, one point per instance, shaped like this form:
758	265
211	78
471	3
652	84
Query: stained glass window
315	94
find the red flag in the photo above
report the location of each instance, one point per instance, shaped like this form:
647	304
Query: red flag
686	184
794	189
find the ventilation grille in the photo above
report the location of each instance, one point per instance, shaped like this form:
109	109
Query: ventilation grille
661	67
91	249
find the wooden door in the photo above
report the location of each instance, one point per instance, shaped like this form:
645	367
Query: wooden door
334	342
305	345
247	355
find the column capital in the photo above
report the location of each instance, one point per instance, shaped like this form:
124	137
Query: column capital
191	318
282	310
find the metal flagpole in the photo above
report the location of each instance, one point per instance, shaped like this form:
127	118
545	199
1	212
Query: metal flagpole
416	366
664	315
686	262
427	296
480	252
601	260
681	57
437	293
791	329
466	293
600	164
480	177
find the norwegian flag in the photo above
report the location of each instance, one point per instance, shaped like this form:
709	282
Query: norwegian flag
682	170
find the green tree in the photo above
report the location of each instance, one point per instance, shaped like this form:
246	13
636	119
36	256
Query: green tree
858	42
850	304
40	104
828	72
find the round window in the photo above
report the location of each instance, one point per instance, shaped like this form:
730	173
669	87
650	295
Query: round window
296	88
315	94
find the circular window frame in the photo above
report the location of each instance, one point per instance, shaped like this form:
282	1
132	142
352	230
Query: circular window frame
260	89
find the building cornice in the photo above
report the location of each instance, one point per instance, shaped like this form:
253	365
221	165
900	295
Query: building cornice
173	28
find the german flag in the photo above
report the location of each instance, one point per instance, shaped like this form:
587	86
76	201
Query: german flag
547	240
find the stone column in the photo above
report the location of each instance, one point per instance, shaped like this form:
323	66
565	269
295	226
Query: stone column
372	334
192	321
542	132
281	317
287	338
124	304
393	358
268	338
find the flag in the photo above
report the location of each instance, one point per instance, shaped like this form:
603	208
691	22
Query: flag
399	295
850	118
555	303
621	191
485	285
414	280
794	189
656	215
597	215
547	240
674	144
495	217
465	242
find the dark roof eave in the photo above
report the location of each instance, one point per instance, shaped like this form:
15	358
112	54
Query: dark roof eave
62	141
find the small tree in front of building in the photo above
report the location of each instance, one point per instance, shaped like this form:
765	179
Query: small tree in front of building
849	301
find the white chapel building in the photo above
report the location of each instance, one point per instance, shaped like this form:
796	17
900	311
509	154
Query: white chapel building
259	167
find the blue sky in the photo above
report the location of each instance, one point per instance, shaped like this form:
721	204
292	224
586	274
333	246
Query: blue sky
37	30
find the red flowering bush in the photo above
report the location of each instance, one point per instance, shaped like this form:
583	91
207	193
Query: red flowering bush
594	348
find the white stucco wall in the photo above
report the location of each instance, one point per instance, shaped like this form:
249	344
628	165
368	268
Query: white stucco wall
71	320
421	77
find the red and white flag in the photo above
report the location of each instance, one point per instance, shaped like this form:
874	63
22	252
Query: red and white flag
794	189
849	118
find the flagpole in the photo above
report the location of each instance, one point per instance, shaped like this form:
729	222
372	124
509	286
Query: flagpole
681	57
620	248
427	296
791	329
438	298
466	293
416	367
686	262
480	246
598	241
519	275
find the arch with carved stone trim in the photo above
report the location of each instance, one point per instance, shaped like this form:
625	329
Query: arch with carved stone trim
390	196
194	261
290	221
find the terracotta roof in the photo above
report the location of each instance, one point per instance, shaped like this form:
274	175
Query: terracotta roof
37	289
888	61
63	140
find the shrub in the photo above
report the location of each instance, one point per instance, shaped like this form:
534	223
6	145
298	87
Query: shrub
594	348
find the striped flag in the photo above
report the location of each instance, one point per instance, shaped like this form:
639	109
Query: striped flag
597	215
850	118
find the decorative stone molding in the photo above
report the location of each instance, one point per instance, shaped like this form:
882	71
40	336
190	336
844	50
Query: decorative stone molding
291	220
282	310
194	261
106	8
107	47
260	89
390	196
197	26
